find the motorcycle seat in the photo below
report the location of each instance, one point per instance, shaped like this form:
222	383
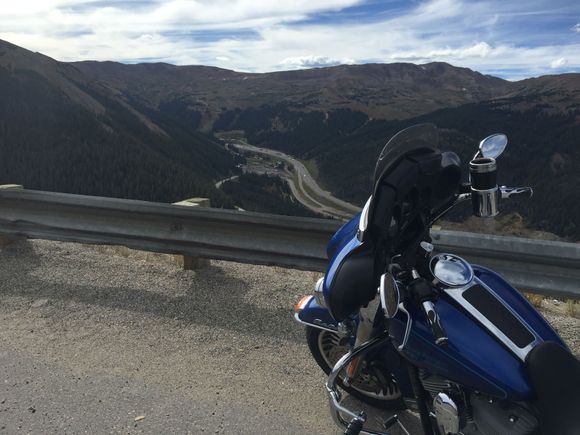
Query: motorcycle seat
555	375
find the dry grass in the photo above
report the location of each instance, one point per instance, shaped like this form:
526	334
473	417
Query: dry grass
572	308
155	257
568	307
535	300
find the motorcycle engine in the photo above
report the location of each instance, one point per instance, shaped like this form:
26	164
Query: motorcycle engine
434	384
448	402
477	414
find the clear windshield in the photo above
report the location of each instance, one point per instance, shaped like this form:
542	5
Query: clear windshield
420	136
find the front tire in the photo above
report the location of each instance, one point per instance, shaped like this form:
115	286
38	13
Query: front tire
375	385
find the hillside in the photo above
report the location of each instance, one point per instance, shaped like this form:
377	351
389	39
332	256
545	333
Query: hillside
142	130
59	131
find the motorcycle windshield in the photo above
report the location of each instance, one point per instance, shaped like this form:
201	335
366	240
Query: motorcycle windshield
417	137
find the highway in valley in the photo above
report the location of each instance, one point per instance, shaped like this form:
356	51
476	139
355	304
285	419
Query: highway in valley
303	186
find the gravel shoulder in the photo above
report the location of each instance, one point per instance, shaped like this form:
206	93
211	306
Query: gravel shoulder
90	341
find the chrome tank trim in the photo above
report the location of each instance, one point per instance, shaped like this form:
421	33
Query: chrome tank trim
457	295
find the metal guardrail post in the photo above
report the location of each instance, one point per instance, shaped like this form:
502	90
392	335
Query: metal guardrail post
6	240
193	262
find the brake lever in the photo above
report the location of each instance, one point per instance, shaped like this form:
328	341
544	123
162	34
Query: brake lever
407	327
508	192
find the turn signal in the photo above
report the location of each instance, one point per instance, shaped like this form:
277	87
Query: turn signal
301	303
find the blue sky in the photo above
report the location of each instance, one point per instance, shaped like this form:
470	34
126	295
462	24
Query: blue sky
509	39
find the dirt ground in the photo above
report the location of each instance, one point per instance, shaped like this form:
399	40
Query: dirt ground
96	342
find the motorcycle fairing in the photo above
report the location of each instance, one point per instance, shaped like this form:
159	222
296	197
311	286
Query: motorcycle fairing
315	315
411	176
343	236
350	281
352	278
474	356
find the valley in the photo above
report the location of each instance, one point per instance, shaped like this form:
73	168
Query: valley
303	186
150	131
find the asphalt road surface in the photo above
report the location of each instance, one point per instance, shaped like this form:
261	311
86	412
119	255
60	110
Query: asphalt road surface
92	341
304	187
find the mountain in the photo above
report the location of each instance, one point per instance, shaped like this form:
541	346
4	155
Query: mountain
398	90
145	130
543	128
61	131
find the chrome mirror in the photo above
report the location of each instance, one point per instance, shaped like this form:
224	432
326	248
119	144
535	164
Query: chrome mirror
492	146
390	295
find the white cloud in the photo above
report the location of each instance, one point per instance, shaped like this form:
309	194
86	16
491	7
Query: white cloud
264	35
437	9
576	28
559	63
312	62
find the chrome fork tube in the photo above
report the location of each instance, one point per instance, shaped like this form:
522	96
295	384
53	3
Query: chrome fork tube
364	331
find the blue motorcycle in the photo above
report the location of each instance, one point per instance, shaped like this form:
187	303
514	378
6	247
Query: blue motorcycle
400	326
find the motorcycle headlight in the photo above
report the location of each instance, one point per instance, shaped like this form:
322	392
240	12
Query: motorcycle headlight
318	292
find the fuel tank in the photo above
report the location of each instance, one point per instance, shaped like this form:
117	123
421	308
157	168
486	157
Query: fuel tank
491	329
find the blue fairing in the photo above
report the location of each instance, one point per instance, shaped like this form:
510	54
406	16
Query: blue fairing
314	314
473	357
341	244
342	236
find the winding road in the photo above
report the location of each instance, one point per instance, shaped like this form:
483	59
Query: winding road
304	188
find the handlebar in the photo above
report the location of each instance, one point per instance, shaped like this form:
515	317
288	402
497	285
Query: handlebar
434	321
517	192
425	294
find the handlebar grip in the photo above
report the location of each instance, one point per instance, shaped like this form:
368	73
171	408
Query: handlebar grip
516	192
439	333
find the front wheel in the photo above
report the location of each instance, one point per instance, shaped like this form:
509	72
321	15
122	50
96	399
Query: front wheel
374	385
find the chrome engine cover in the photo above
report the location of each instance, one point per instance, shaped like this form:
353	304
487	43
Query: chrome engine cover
447	414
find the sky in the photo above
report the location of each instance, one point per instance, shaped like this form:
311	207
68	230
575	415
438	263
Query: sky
509	39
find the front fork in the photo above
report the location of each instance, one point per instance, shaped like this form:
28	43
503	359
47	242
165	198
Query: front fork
364	332
355	421
308	311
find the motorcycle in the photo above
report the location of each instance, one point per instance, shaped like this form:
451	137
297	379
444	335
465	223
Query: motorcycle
400	326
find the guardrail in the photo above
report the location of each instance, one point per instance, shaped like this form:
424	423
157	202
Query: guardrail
545	267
